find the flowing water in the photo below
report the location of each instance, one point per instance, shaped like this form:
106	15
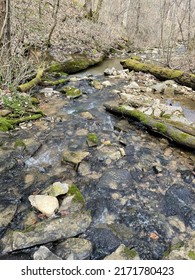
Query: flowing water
126	183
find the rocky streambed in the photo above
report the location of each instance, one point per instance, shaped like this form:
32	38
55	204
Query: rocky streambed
134	191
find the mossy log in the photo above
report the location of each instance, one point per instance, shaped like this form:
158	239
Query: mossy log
162	73
27	86
156	125
54	83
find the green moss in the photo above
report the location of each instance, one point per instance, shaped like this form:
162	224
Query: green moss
78	197
135	114
163	73
191	255
130	253
19	143
5	124
55	83
161	127
72	92
176	246
92	137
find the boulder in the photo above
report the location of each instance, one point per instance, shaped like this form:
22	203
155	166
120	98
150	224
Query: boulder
73	63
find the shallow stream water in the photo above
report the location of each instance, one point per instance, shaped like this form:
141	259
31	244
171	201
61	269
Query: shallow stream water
126	184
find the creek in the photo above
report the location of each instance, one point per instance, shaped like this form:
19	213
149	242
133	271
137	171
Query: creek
138	186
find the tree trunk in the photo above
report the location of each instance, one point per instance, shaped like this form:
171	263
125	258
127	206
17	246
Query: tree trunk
2	18
165	129
181	77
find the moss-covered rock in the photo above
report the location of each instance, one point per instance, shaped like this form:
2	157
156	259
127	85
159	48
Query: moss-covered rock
74	63
92	139
72	92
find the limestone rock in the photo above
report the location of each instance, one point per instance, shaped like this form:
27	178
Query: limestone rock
74	249
123	253
74	157
47	231
44	203
96	84
58	188
72	92
43	253
87	115
73	201
7	214
106	84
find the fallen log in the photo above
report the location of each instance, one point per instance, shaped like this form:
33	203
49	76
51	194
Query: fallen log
27	86
156	125
162	73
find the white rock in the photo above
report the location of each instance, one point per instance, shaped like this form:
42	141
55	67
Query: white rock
133	85
157	112
46	204
58	188
107	84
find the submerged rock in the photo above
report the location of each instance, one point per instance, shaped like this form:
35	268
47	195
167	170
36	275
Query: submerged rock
74	249
6	215
72	92
74	157
180	200
47	231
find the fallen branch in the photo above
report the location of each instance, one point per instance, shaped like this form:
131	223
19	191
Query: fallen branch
183	78
27	86
164	129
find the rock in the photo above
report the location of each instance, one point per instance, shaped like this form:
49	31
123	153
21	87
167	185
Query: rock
160	87
106	84
47	231
73	201
73	63
48	92
87	115
133	85
58	188
6	215
104	241
72	92
110	152
123	253
109	71
29	179
4	113
43	253
157	112
123	125
180	200
84	169
74	157
92	140
74	249
182	251
46	204
96	84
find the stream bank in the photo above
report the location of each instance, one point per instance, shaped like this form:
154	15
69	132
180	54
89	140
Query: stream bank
138	187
